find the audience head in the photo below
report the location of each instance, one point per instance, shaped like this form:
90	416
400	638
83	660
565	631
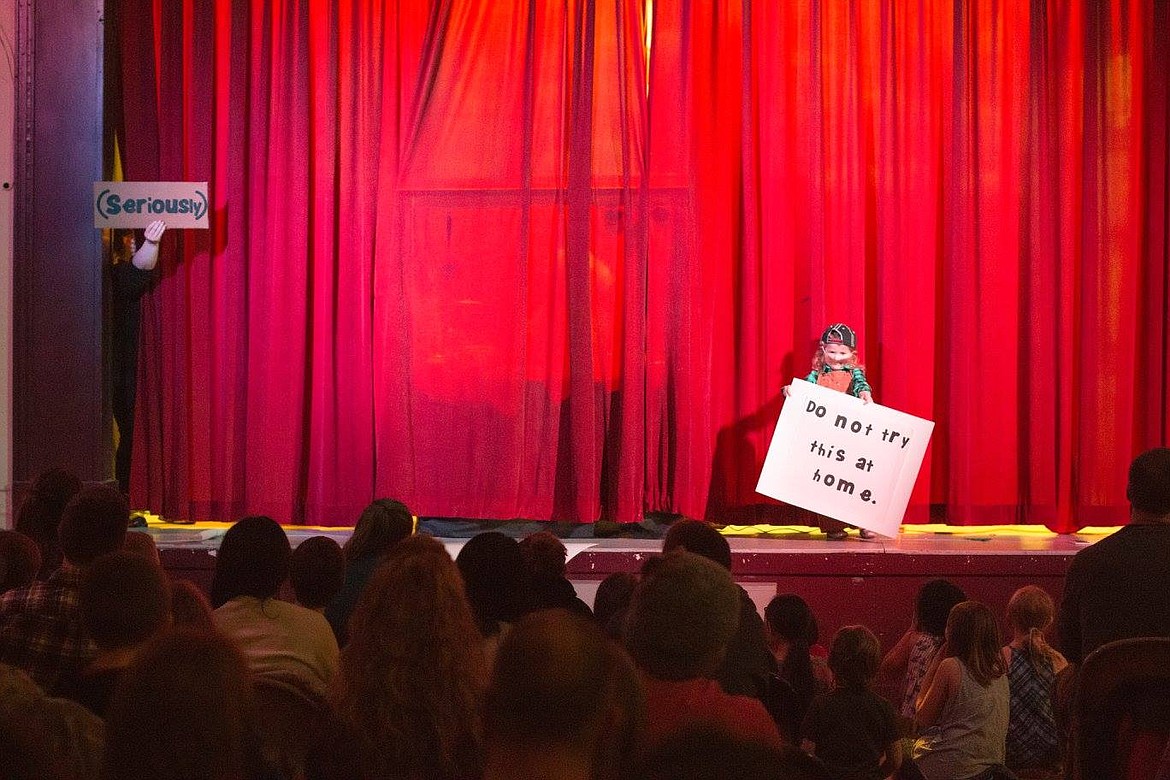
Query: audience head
93	524
124	600
497	580
181	711
1148	489
935	600
545	555
190	608
412	675
612	600
701	539
253	560
788	618
682	615
560	684
40	513
20	560
711	753
383	524
142	544
317	571
854	657
1030	611
973	638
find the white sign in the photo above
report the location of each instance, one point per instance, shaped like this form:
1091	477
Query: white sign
848	460
135	204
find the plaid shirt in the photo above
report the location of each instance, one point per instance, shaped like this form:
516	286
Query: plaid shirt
41	631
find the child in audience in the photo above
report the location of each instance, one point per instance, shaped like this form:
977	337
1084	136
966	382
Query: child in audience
190	608
125	604
912	655
612	600
851	729
20	559
963	710
791	631
40	514
317	572
277	639
837	366
1033	739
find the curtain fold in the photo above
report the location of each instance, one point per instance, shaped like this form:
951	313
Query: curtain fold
555	259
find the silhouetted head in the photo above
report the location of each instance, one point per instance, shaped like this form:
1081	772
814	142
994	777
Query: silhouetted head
497	579
383	524
855	656
1148	489
682	616
20	559
935	600
317	571
181	711
701	539
93	524
253	560
124	600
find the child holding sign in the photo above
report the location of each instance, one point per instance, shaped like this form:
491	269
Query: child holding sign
836	366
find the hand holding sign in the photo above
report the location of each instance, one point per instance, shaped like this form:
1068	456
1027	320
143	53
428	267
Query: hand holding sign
838	456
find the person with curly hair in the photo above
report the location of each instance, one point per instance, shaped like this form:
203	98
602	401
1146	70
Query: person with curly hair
410	691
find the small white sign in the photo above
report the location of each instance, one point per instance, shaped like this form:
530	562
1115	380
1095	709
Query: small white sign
848	460
135	204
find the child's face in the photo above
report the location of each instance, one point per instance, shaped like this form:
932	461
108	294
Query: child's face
837	354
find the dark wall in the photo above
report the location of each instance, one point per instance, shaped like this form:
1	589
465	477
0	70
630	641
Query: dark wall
58	406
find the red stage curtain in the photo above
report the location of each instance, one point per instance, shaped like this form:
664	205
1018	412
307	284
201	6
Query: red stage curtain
556	259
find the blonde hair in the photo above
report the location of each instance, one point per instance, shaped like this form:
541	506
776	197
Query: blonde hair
1030	612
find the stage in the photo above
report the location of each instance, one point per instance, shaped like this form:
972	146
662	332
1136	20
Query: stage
873	582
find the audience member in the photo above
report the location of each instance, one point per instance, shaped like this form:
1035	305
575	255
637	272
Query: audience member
963	709
125	603
497	582
1033	738
277	639
852	729
382	524
710	753
142	544
317	572
20	560
183	710
41	631
1116	588
612	600
748	665
44	737
791	632
40	514
190	608
564	701
683	615
912	655
545	556
412	678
